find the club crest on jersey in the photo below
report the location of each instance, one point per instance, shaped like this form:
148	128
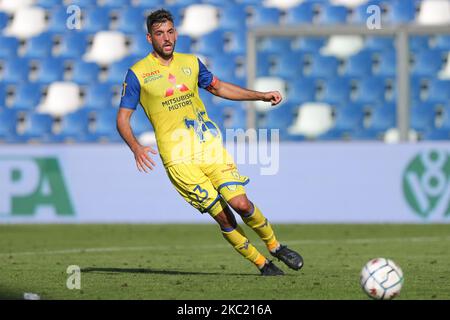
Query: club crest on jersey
187	71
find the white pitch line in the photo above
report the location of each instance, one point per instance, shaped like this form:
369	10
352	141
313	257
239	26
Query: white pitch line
219	246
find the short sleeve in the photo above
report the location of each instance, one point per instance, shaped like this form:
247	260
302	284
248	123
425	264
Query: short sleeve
131	91
205	77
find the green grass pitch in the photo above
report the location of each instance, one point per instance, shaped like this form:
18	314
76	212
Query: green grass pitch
195	262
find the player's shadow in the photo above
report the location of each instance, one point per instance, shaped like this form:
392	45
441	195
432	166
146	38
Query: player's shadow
155	271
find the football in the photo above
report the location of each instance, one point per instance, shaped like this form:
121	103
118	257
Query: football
381	279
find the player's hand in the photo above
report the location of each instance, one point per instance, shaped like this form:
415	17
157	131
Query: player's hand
274	97
143	160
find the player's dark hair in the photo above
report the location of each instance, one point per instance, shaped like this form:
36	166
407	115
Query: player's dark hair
158	16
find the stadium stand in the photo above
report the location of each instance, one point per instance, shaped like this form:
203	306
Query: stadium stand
75	75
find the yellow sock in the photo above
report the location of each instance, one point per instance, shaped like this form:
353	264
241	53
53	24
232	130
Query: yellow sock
262	227
239	241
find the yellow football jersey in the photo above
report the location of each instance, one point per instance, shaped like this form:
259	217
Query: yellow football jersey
170	98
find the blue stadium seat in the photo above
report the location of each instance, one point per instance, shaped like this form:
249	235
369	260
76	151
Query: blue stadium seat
150	4
349	118
105	126
220	3
15	70
117	3
359	65
238	43
415	88
39	47
8	47
439	91
422	116
139	121
337	91
131	20
302	90
427	63
276	45
98	96
27	96
419	43
437	134
233	17
264	63
3	20
361	15
3	94
401	12
300	14
442	42
279	118
118	70
85	72
8	124
211	44
74	127
262	16
223	66
380	43
383	117
333	15
50	70
370	90
324	66
140	46
445	121
310	44
96	19
38	127
73	45
289	65
48	4
387	64
183	44
237	115
84	3
58	19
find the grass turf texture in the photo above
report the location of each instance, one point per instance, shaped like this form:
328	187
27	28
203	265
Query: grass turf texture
195	262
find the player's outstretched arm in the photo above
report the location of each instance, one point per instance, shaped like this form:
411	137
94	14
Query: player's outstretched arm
233	92
140	152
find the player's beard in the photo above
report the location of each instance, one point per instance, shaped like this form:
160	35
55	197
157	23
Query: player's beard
164	54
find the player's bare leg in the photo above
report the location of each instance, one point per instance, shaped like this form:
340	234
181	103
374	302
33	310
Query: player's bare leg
236	237
253	217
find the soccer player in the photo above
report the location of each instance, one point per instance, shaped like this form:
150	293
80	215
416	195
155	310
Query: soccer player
166	84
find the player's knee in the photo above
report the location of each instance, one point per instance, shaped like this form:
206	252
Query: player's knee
242	206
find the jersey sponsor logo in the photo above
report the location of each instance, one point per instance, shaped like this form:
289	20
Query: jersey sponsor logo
151	76
175	86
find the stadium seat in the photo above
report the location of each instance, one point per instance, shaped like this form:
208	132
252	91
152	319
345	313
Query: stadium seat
50	70
183	44
282	4
12	6
419	43
72	45
370	90
434	12
74	127
276	45
27	22
140	46
8	124
313	120
383	117
150	4
301	14
337	91
309	44
107	47
342	46
39	47
84	3
437	134
442	42
333	15
3	94
445	119
98	96
105	126
348	3
118	70
38	127
427	63
444	74
95	19
15	70
57	19
289	65
85	72
401	12
233	17
392	135
349	118
359	65
62	98
422	116
3	20
117	3
211	44
27	96
236	115
387	66
269	84
279	118
439	91
131	20
8	47
48	4
379	43
262	16
199	19
325	67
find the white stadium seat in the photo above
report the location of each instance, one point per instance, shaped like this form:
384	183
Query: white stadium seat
393	136
27	22
342	46
281	4
199	19
107	47
12	6
313	119
269	84
434	12
348	3
444	74
62	98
